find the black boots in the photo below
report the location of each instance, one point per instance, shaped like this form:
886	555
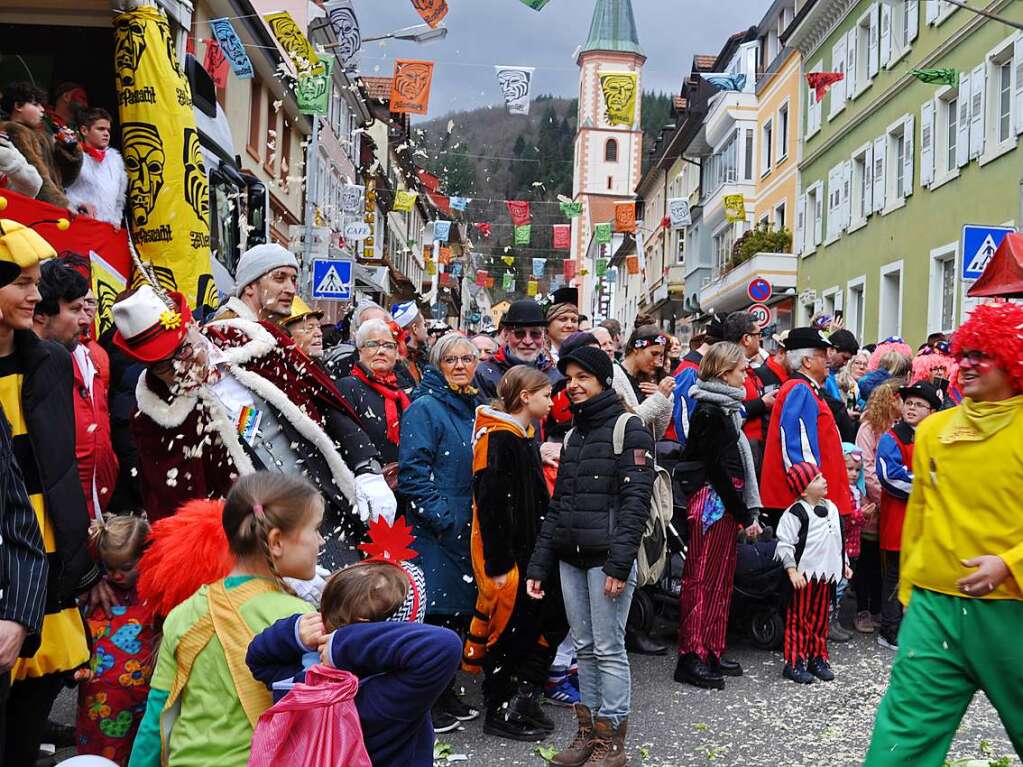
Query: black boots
691	670
724	666
521	718
641	643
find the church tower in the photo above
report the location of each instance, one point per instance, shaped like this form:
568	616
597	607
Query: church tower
608	158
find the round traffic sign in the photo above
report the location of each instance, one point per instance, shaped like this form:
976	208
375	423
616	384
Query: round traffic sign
761	314
759	290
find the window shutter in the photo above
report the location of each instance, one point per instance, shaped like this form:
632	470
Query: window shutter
868	181
978	80
837	91
872	49
800	223
913	19
908	129
933	8
880	147
927	143
819	214
846	190
850	62
963	139
1017	69
886	34
834	199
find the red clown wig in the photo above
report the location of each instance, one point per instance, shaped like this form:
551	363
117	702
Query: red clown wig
997	331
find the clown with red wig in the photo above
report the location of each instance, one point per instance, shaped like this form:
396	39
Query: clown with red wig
962	555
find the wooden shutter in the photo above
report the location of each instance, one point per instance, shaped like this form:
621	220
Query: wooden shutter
872	47
978	83
837	90
868	181
880	150
927	143
913	20
800	223
908	129
834	198
933	9
846	194
850	62
1017	86
818	223
886	34
963	126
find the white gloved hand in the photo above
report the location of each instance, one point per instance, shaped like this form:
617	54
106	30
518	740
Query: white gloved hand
312	589
373	498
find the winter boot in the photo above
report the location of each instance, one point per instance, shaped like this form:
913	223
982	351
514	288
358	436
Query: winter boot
614	755
579	750
505	722
534	708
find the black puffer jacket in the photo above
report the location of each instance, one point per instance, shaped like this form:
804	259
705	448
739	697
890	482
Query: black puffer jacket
601	501
714	442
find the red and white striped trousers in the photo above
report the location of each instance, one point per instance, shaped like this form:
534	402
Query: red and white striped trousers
806	622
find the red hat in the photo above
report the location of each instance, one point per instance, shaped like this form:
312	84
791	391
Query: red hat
147	329
800	475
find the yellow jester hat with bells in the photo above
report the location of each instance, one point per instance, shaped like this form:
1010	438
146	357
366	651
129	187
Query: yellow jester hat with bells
22	246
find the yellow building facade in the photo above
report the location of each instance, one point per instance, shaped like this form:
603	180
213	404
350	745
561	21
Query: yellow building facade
778	94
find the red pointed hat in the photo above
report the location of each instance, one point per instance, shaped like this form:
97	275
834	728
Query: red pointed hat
148	329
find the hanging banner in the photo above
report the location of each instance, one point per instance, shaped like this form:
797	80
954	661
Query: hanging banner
538	266
533	288
456	270
514	83
724	81
602	233
508	282
404	201
232	48
484	229
519	211
569	268
523	233
410	89
458	203
445	256
625	217
572	209
679	214
441	231
294	42
600	268
432	11
562	239
510	260
345	24
168	198
821	81
313	90
632	264
481	278
619	89
489	282
352	196
215	63
445	279
431	266
735	208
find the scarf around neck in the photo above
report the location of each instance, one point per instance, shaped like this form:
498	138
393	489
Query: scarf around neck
978	421
96	154
395	400
729	399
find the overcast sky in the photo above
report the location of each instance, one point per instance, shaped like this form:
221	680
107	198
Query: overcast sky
488	32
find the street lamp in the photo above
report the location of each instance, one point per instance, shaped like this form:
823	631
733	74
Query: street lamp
420	33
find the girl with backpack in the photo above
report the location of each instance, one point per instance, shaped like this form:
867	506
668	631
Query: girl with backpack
204	704
592	533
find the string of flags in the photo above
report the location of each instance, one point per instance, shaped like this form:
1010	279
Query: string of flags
432	11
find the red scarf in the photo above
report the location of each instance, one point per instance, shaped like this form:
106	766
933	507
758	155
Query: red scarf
95	154
386	387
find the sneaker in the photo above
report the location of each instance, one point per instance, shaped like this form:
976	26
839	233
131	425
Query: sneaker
442	720
797	673
573	677
864	623
888	644
562	693
838	634
821	669
450	703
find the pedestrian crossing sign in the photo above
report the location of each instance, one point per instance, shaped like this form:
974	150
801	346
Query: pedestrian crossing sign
332	279
979	245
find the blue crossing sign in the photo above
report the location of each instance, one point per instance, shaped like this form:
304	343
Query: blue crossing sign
979	244
332	279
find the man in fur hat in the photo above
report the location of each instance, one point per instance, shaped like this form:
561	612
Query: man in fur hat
234	399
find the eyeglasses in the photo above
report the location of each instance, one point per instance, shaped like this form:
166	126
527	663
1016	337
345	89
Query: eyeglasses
972	356
388	345
535	333
452	360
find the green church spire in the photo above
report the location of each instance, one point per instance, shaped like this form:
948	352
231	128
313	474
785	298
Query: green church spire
613	28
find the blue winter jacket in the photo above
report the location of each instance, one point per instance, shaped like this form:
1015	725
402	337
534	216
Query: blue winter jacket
435	485
868	383
402	669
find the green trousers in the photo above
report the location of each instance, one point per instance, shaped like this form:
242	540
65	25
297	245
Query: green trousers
949	647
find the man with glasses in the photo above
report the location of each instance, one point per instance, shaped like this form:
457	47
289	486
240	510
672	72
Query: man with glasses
522	335
231	400
962	555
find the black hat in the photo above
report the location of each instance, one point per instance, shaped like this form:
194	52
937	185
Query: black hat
524	313
715	330
576	340
593	359
844	341
565	295
925	391
806	338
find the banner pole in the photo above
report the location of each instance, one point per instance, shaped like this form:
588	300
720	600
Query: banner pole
312	168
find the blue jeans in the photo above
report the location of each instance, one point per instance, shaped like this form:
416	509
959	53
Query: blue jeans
598	630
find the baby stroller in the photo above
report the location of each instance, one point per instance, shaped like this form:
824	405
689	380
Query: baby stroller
759	593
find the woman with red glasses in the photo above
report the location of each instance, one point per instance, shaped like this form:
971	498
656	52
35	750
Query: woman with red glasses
962	555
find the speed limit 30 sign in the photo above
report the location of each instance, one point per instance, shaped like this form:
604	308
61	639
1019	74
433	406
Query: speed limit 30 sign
761	314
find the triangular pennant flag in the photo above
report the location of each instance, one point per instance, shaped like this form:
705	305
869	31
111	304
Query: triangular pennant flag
519	211
510	260
523	233
821	81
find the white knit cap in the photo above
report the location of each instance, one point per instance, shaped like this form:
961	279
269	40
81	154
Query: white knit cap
405	314
260	260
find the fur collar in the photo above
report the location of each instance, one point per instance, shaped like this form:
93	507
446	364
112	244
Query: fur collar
260	342
239	308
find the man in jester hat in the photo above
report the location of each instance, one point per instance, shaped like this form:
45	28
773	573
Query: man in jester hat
231	399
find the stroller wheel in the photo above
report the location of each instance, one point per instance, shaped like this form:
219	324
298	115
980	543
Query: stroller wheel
641	613
767	628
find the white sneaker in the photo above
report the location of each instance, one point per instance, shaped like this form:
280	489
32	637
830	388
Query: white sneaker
893	646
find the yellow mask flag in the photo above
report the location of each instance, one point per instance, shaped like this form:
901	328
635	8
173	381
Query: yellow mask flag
735	208
168	199
619	90
404	201
107	283
532	288
290	37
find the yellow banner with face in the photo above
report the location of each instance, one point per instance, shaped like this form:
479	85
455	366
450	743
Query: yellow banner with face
168	199
619	90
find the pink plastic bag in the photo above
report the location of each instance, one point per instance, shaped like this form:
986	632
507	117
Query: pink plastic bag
314	725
